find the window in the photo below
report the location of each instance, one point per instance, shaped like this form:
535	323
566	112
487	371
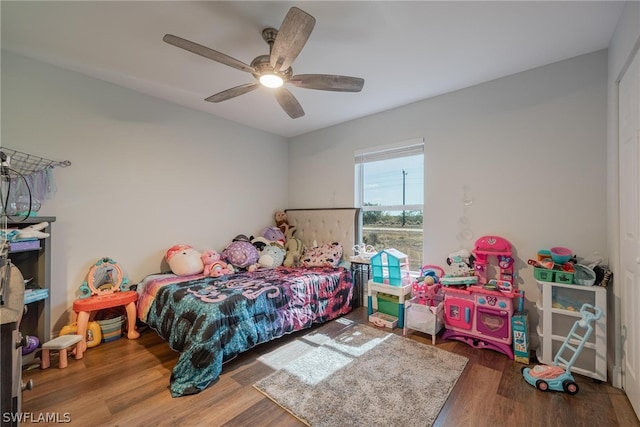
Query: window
390	193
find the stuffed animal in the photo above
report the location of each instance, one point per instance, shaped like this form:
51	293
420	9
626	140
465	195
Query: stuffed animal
294	248
460	263
260	242
271	256
184	260
240	252
33	231
282	222
274	234
213	265
424	289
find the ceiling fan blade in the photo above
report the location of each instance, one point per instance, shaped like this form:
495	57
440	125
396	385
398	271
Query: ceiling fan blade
233	92
207	53
328	82
292	36
289	103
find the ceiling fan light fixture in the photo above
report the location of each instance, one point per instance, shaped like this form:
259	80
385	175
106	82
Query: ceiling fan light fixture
271	80
274	69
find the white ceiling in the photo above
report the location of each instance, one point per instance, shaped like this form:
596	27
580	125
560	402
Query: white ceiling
405	51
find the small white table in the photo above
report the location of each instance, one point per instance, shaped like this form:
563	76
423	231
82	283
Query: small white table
399	291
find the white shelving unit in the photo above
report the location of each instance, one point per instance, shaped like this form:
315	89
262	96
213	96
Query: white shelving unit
558	309
402	292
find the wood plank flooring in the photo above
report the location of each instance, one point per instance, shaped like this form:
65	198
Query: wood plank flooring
125	383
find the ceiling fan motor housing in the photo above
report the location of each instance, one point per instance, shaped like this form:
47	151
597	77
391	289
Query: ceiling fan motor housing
263	66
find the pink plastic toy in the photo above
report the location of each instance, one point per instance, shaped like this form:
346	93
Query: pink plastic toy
480	314
425	288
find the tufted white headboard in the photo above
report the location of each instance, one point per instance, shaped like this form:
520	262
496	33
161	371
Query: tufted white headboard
327	225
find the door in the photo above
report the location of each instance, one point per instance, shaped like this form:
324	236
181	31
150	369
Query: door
629	277
458	313
495	324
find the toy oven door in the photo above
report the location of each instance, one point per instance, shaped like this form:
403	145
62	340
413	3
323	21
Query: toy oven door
459	312
494	323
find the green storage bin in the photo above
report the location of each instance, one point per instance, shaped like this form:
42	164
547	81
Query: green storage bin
543	274
564	277
388	304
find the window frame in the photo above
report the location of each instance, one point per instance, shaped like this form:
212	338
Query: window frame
392	151
387	152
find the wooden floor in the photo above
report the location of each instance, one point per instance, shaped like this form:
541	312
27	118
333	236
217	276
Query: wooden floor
125	383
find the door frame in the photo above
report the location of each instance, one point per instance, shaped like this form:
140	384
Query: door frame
619	366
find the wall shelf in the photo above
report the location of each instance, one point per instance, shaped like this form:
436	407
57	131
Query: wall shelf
35	264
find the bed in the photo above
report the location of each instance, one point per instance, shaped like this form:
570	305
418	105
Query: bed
209	321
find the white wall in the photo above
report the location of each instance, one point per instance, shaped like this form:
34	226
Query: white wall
145	175
625	41
530	148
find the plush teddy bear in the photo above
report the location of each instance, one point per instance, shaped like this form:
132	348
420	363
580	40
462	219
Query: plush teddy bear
282	222
184	260
294	248
213	265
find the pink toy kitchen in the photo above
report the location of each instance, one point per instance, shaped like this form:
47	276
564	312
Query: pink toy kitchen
478	312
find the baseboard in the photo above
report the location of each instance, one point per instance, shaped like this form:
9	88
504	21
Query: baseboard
616	377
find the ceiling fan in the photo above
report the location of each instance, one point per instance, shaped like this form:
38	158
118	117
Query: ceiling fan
274	70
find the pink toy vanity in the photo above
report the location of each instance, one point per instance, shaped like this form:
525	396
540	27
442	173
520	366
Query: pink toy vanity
480	314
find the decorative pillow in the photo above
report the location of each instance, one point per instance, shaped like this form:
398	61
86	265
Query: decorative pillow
326	255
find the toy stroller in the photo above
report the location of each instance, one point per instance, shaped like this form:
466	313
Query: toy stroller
554	377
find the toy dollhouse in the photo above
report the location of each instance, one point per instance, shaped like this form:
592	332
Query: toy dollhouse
480	314
390	275
391	267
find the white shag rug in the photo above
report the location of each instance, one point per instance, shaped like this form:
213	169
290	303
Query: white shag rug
363	377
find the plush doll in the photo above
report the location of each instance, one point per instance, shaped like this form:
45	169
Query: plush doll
184	260
294	248
272	256
240	252
274	234
33	231
460	263
424	289
282	222
260	242
213	265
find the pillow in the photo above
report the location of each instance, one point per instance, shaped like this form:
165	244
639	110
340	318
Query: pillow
326	255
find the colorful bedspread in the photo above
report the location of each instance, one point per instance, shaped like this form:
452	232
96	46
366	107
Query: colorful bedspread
211	320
